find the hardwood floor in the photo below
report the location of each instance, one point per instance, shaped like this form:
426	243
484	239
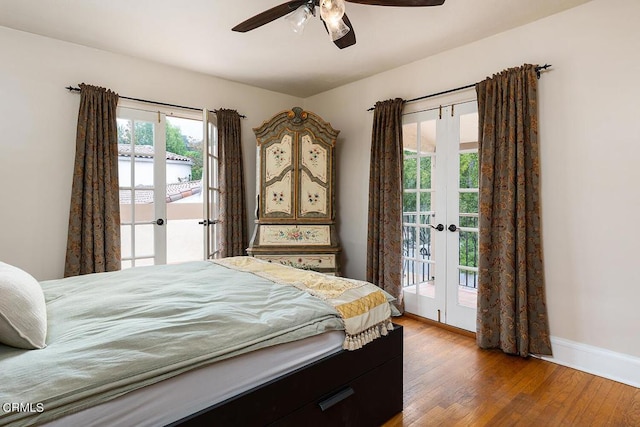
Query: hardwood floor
448	381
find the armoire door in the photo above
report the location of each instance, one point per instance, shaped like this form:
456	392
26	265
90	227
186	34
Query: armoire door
314	178
277	163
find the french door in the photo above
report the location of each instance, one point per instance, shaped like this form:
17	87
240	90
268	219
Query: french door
212	189
166	188
440	214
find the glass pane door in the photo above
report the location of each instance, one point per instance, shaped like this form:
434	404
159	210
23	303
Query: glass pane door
440	214
142	189
160	168
462	214
423	271
184	195
212	191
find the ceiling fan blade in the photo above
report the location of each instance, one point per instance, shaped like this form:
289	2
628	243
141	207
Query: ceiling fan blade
400	3
268	16
348	39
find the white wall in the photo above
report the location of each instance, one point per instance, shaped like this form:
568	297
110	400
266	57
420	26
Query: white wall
38	118
590	157
176	170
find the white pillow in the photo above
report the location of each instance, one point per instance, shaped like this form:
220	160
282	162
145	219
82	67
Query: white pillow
23	312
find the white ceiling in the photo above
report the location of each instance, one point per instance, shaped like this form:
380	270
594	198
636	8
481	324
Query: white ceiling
196	35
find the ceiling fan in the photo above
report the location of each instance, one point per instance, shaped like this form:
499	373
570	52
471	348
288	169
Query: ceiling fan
332	13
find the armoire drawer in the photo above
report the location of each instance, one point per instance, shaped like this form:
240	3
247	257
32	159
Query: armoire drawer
306	261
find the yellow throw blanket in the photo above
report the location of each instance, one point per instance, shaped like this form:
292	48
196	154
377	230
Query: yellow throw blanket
363	307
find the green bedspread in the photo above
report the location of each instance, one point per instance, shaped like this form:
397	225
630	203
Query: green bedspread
110	333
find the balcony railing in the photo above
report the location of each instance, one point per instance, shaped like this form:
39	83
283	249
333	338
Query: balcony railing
418	265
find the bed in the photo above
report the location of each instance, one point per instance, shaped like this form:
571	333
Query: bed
236	341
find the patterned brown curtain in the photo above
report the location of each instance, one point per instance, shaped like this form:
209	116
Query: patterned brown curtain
384	237
233	218
512	314
93	243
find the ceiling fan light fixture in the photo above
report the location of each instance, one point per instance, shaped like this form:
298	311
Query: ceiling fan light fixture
298	19
331	12
337	29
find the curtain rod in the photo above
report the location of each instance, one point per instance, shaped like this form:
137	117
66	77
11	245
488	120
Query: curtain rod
77	89
538	69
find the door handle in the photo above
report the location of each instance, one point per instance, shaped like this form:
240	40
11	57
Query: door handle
438	227
206	222
160	221
453	227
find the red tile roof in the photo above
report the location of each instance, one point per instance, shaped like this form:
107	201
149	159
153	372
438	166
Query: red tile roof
147	151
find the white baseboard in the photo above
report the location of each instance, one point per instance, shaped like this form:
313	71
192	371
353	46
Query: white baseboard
597	361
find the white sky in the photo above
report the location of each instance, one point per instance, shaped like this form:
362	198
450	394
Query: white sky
189	127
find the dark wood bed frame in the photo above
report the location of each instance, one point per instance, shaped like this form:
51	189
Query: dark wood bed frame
349	388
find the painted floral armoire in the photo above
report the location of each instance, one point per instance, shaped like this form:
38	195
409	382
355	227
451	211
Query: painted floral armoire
295	222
